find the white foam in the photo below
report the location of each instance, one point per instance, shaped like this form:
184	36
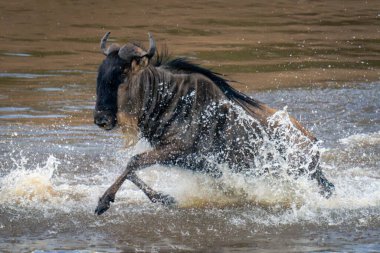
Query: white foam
362	139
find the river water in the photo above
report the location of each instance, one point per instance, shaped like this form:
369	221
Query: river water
317	60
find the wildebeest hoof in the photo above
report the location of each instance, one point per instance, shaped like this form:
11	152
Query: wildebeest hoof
327	189
164	199
104	204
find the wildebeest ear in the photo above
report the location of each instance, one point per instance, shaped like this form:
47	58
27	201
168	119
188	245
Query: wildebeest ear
138	64
144	61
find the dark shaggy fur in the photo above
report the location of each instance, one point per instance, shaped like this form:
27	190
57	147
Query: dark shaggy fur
181	108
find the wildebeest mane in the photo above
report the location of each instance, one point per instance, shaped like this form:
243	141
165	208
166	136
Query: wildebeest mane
184	65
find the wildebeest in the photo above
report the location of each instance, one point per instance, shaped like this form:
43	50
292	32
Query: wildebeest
193	119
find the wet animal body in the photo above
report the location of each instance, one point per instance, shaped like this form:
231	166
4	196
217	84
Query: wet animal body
193	119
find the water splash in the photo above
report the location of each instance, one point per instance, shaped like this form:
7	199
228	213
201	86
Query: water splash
43	188
30	185
273	199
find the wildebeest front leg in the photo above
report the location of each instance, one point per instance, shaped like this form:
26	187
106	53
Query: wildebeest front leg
137	162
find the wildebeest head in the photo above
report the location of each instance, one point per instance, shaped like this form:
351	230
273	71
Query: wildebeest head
112	72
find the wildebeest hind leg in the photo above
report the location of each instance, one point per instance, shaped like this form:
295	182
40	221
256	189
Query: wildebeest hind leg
138	162
153	195
327	188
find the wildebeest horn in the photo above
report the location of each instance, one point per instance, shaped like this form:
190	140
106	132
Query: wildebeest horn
152	46
103	42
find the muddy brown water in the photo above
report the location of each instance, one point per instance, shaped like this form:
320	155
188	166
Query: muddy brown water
320	59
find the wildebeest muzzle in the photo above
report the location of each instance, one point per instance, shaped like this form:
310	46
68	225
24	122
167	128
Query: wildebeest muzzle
105	119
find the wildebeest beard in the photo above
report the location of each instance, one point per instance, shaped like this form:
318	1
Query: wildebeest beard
194	119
